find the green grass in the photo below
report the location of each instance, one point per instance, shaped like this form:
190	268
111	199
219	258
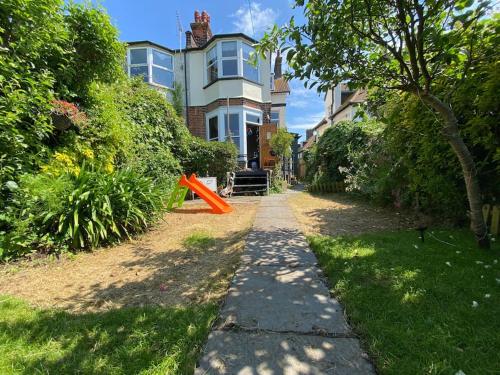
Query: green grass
150	340
412	310
199	241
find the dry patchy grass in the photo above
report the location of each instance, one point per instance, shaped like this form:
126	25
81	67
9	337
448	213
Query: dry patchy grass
340	214
188	258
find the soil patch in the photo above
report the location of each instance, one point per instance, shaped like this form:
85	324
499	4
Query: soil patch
161	267
340	214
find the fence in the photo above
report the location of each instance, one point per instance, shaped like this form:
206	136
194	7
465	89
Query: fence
326	187
491	216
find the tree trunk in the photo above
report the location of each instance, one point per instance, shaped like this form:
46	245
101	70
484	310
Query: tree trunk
452	134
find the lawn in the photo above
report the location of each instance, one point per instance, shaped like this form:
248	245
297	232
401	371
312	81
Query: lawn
419	308
149	340
142	307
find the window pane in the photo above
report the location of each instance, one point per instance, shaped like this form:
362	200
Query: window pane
163	77
229	49
230	67
236	141
250	72
212	55
234	124
253	118
139	56
139	71
213	128
275	117
162	59
212	73
247	50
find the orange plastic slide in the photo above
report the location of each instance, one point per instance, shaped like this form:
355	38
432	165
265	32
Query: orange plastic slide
219	206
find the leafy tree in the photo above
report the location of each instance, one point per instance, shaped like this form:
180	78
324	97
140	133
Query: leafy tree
422	48
281	143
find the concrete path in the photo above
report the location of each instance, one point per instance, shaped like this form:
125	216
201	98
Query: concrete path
278	317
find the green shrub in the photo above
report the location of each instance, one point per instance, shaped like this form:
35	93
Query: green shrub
83	210
210	158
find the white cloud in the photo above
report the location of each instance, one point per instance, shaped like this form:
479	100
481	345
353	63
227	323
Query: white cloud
262	19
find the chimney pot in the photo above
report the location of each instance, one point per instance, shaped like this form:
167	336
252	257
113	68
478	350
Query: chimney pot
204	17
197	16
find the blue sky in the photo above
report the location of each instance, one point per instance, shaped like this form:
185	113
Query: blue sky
155	20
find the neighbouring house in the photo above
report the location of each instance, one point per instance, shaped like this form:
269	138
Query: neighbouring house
341	103
224	94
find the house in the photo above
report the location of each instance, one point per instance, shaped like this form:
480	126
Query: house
225	95
341	103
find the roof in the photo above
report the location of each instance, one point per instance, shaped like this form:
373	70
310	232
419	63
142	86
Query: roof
141	42
358	96
281	85
214	37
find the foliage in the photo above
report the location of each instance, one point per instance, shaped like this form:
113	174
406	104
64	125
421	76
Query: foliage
411	303
210	158
281	144
82	210
69	110
177	99
421	48
46	48
152	340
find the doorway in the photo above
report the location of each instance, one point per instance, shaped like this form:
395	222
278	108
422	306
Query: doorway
253	146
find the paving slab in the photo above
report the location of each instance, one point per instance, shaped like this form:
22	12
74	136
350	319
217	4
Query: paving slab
278	317
243	353
278	247
281	299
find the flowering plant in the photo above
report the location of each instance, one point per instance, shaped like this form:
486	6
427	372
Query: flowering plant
62	110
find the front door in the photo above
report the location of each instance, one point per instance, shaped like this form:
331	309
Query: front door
253	146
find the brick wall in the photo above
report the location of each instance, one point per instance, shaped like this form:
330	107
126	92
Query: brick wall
197	124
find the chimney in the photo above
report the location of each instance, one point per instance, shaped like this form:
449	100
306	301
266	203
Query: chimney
200	30
277	66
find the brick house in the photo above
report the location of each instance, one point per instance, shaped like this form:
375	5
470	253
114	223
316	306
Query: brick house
224	94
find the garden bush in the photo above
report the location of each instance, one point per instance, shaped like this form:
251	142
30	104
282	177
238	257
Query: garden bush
81	209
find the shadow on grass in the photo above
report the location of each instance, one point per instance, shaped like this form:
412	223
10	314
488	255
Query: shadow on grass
122	341
412	302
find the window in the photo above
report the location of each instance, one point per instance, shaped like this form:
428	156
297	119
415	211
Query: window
155	66
163	69
275	117
255	119
212	69
233	130
139	63
229	58
272	81
213	129
249	70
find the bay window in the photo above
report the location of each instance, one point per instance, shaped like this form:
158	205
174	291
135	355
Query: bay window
213	128
155	66
231	59
233	129
139	63
212	65
249	70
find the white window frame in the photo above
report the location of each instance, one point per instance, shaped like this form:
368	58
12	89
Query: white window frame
149	64
209	117
216	62
243	60
239	57
229	58
130	65
271	119
161	67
